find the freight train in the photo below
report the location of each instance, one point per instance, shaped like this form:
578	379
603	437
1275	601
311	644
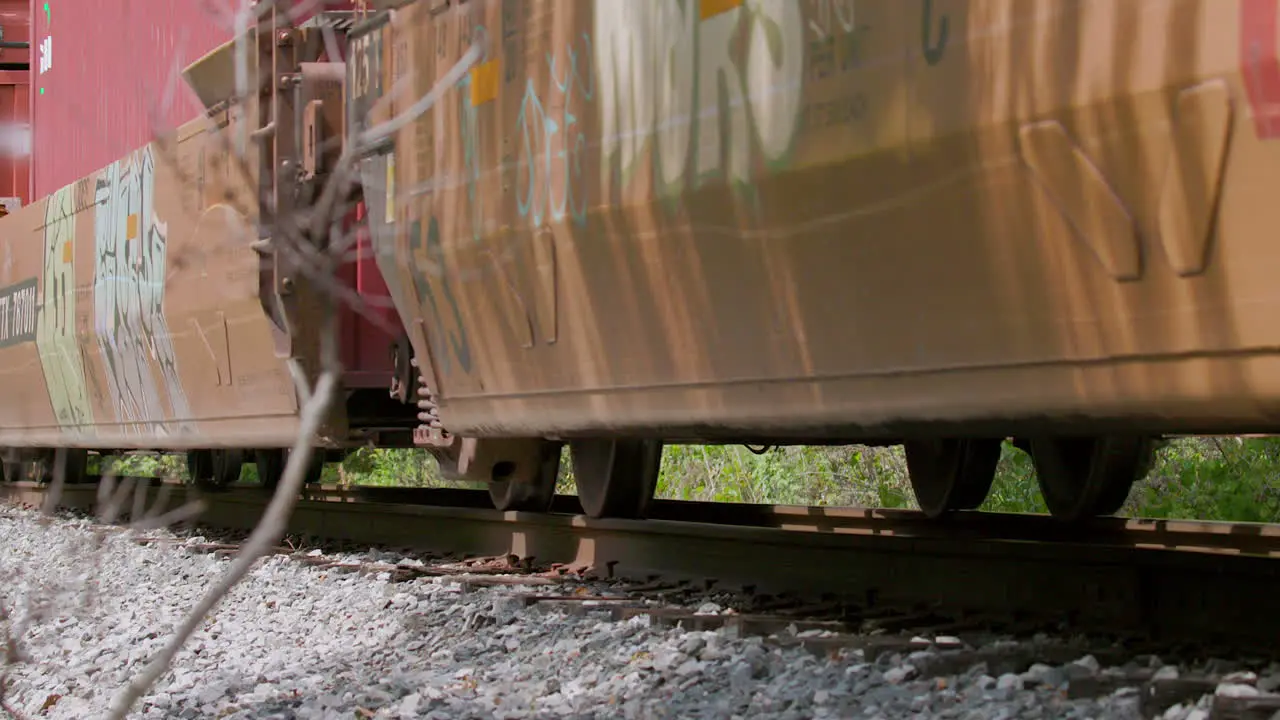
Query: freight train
613	224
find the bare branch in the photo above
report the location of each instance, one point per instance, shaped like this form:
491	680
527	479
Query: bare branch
314	241
264	537
376	134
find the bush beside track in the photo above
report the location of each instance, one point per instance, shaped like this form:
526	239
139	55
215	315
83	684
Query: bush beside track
1230	479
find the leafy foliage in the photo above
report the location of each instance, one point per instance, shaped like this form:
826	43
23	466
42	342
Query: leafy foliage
1235	479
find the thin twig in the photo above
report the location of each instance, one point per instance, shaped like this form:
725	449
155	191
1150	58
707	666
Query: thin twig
267	533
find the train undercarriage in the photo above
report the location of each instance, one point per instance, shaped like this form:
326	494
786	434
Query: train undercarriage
1079	477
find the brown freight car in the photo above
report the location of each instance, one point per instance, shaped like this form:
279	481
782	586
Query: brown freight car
136	314
938	222
945	221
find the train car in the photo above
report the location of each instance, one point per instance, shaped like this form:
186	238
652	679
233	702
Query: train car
936	222
614	224
135	312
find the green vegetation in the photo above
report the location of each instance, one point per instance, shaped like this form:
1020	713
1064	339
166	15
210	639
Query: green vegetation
1235	479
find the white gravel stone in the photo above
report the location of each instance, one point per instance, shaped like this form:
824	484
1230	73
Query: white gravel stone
1228	689
1009	681
297	641
1090	662
1241	677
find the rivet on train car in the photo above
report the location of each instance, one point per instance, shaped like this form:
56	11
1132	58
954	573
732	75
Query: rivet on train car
283	38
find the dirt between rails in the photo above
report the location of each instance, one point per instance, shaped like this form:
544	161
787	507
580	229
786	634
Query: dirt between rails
884	581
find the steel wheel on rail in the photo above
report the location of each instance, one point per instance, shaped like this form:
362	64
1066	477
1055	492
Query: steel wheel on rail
200	466
70	464
530	487
270	464
616	478
227	466
12	468
1083	477
952	473
215	468
315	466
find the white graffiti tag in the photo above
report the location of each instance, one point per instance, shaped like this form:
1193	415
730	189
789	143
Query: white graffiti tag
663	70
129	301
55	332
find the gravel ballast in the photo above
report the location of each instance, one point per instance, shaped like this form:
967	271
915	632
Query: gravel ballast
88	609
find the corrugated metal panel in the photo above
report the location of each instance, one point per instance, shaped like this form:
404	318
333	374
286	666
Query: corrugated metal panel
15	145
15	106
107	77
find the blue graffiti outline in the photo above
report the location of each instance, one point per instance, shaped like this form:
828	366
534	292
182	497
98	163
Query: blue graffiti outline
571	151
444	338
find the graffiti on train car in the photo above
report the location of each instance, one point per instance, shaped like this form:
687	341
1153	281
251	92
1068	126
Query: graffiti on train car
429	258
469	129
934	34
551	139
129	282
836	38
835	48
18	306
60	355
663	67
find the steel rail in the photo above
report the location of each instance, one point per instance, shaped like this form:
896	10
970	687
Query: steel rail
1132	576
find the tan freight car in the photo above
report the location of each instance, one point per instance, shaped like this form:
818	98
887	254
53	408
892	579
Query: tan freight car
944	222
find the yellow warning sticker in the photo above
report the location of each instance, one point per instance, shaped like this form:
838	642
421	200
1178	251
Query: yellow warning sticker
711	8
391	187
484	82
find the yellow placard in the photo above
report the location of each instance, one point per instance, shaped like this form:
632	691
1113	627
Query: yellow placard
391	188
484	82
712	8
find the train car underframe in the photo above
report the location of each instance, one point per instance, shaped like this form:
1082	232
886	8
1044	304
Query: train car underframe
388	402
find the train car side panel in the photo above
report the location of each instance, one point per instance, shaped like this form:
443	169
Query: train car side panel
149	331
826	217
15	106
26	408
107	78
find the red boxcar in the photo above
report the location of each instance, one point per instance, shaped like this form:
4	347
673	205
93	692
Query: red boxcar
15	106
106	76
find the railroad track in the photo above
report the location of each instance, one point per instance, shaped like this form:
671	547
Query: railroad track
1155	582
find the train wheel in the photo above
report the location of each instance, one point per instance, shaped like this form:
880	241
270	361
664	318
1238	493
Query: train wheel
215	468
1089	476
951	474
616	478
200	466
270	466
531	486
315	467
12	467
71	464
227	466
